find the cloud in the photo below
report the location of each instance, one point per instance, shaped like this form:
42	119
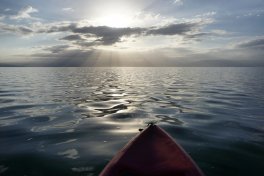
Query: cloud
104	35
87	36
38	28
108	35
2	17
254	43
55	27
81	40
174	29
72	37
220	32
67	9
101	35
197	36
24	13
18	29
57	48
207	14
178	2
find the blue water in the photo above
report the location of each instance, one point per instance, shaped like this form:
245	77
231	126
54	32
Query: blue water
71	121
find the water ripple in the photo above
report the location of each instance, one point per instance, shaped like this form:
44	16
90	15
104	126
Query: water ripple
71	121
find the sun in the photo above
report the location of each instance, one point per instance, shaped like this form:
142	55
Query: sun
117	14
116	20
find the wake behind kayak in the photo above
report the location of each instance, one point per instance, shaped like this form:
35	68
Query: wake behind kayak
152	153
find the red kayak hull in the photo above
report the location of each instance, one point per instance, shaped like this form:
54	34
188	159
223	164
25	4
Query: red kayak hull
152	153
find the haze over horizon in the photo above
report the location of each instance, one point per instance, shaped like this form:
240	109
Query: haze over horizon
132	33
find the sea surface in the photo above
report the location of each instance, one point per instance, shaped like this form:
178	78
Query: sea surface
72	121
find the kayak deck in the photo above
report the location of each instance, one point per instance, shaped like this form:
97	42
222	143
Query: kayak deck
151	153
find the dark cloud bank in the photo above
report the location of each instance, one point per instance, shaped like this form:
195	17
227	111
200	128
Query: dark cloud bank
109	35
105	35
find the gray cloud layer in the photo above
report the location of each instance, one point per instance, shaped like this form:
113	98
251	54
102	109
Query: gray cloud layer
18	29
174	29
72	37
104	35
256	43
109	35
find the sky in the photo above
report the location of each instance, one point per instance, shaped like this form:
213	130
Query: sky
132	33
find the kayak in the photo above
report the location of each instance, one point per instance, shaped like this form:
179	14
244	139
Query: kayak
152	153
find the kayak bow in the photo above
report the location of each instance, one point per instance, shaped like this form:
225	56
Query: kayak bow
152	153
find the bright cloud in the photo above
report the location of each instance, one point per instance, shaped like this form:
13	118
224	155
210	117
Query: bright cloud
68	9
178	2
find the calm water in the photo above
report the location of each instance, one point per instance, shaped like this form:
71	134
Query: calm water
71	121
